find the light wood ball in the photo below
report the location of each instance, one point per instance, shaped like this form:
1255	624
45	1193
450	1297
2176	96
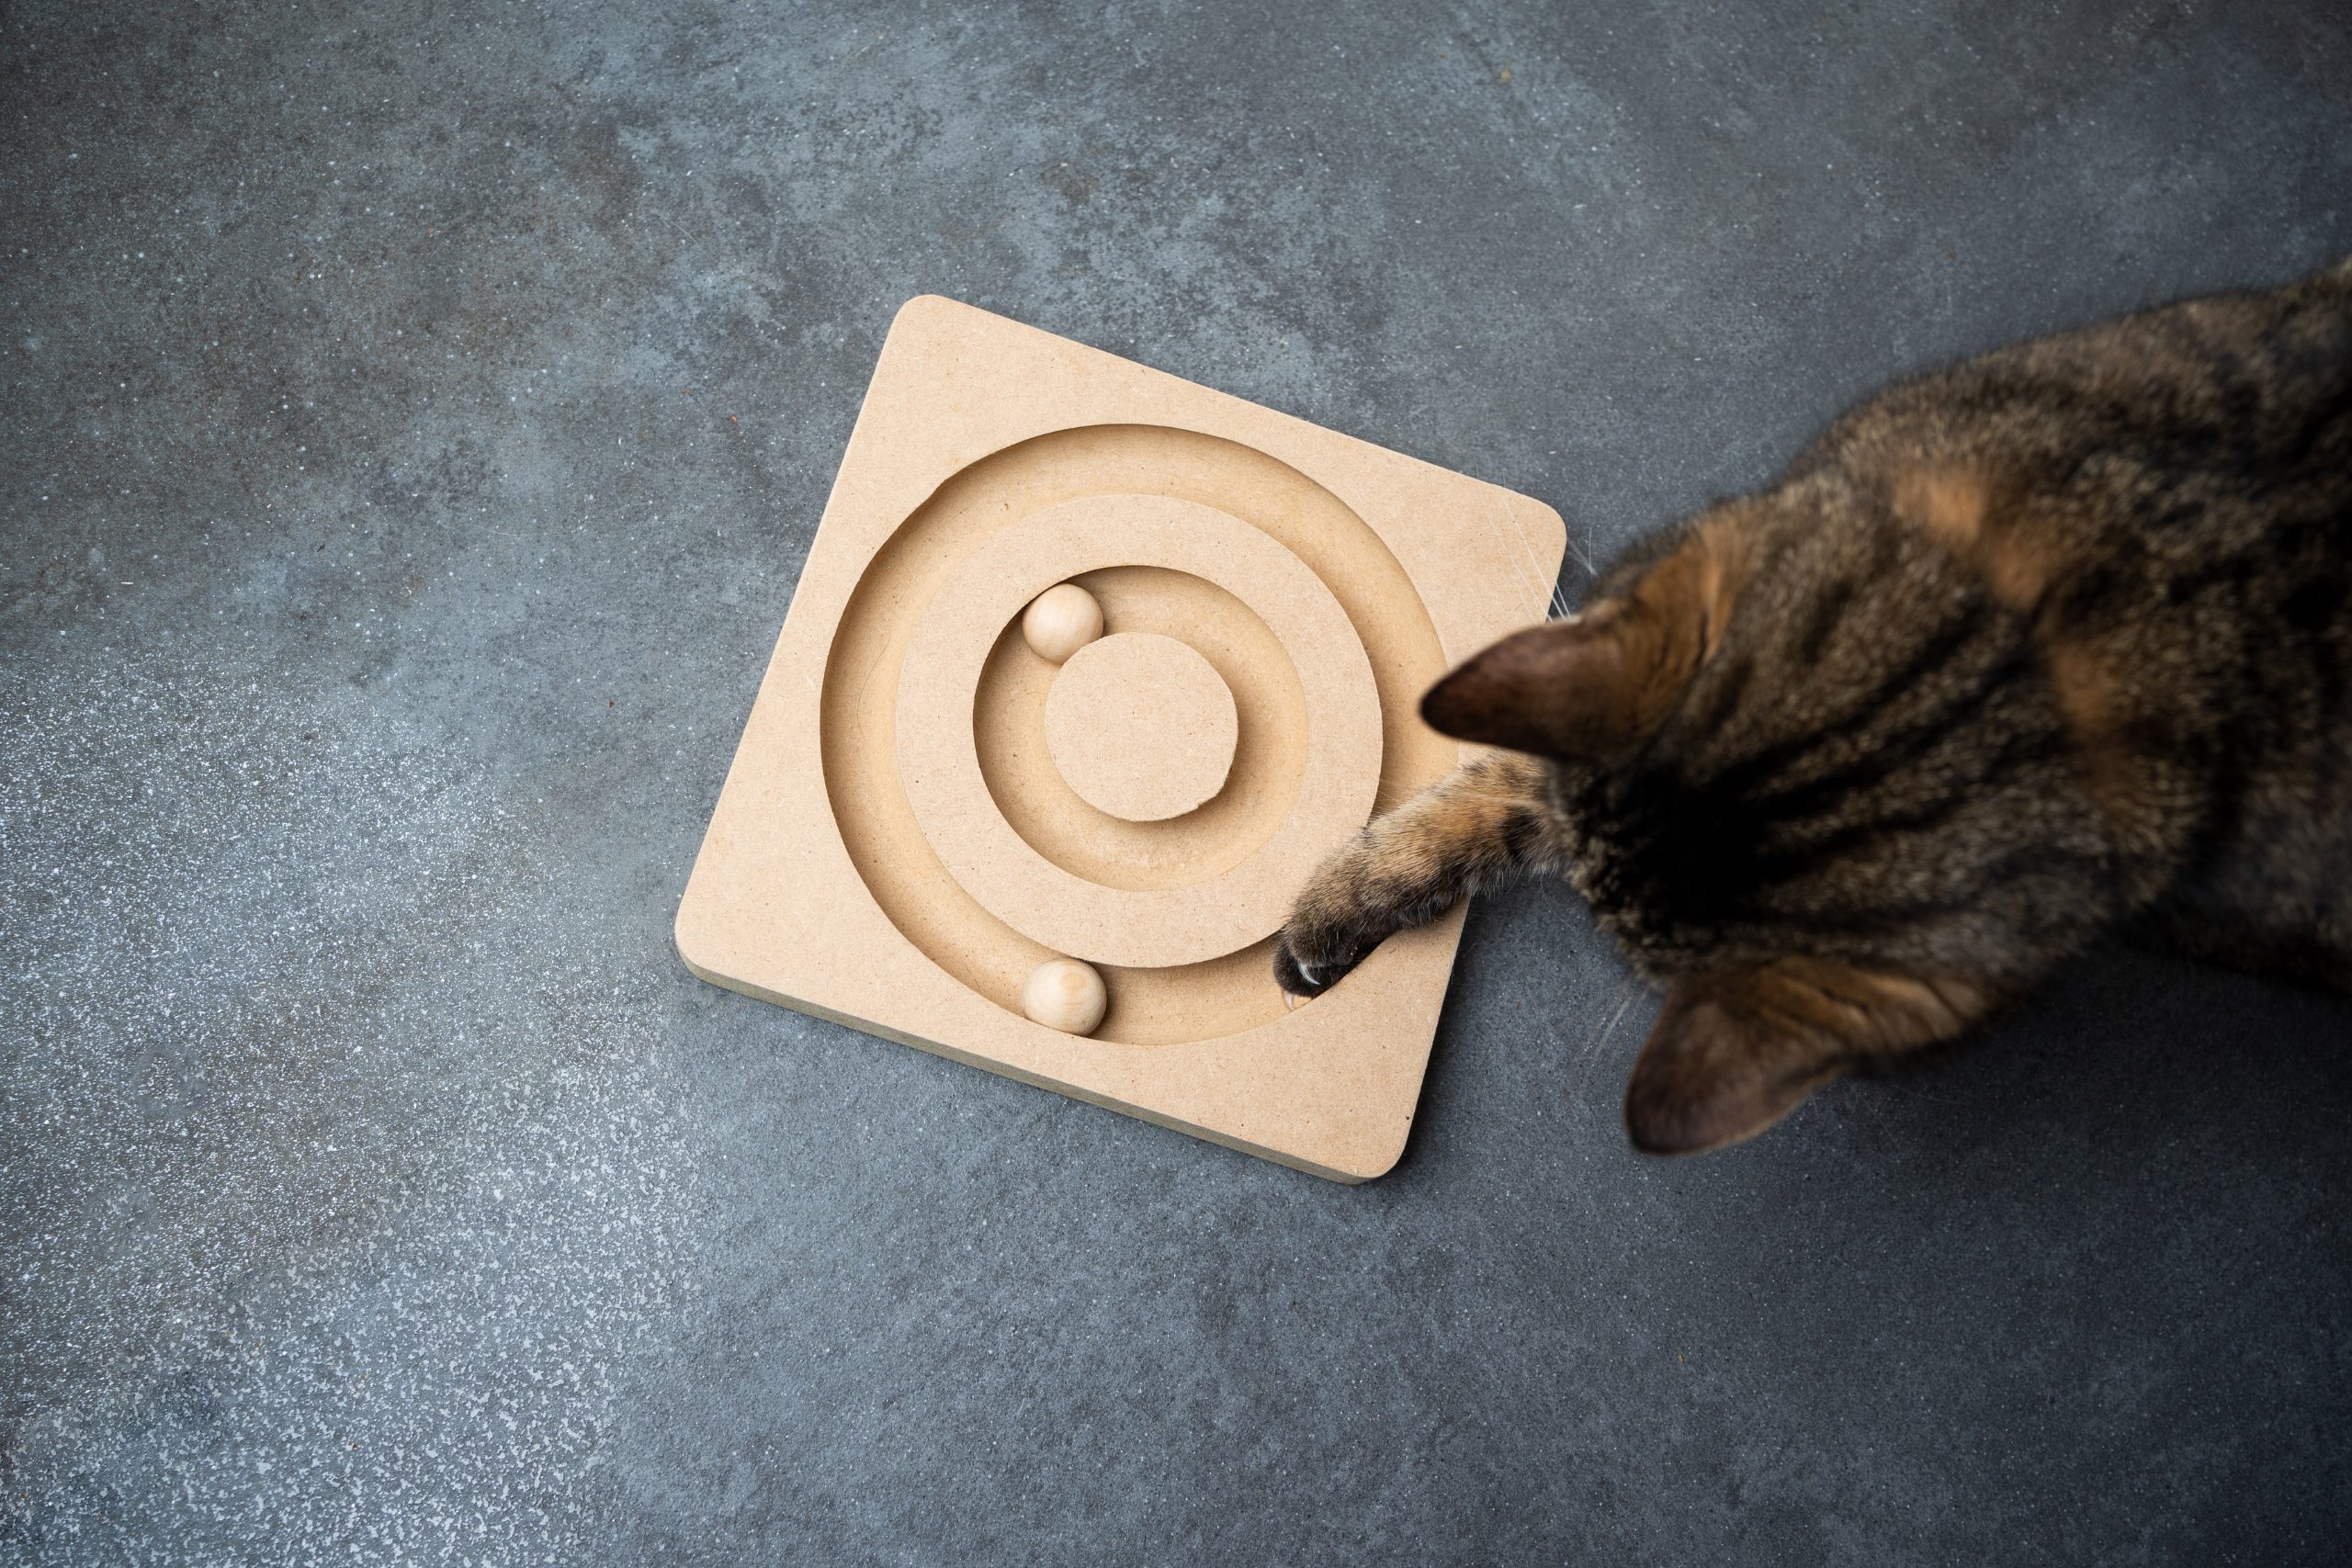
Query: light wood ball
1060	621
1064	994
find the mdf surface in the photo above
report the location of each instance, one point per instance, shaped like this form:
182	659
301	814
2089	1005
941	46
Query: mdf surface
894	848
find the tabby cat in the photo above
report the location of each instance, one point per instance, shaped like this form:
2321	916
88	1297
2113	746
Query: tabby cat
2052	643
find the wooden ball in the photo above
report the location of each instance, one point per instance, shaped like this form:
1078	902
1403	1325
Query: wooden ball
1064	994
1060	621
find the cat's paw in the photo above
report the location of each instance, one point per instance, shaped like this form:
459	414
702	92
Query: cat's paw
1338	918
1308	964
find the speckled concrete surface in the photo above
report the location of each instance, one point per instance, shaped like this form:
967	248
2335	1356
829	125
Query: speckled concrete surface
416	416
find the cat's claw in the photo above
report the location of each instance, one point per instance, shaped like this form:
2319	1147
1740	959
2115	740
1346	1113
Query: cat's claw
1301	981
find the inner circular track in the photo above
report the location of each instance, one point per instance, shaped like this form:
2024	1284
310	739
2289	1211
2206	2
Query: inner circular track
1220	910
1269	753
858	725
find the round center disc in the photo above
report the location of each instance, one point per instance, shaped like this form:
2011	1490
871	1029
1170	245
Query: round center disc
1140	725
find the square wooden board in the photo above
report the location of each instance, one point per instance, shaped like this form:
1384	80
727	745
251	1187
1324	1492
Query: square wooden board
847	874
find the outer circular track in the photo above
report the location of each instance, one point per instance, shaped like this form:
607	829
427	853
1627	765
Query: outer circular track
880	827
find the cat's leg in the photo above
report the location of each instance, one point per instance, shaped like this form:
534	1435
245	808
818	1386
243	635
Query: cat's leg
1488	821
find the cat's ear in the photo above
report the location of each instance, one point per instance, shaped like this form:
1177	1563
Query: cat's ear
1550	689
1587	686
1737	1047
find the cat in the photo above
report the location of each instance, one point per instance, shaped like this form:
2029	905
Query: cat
2052	643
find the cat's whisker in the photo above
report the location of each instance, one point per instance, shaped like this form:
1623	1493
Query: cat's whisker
1526	564
1589	1057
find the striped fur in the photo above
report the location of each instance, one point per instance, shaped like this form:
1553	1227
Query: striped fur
2057	639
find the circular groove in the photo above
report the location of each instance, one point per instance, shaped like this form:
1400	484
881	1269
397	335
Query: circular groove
857	735
939	766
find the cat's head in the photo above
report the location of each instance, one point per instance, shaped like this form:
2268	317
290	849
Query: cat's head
1813	781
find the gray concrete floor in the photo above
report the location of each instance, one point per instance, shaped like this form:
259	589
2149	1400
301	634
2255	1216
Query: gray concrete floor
415	419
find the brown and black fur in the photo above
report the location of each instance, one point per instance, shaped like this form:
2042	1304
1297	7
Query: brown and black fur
2056	641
